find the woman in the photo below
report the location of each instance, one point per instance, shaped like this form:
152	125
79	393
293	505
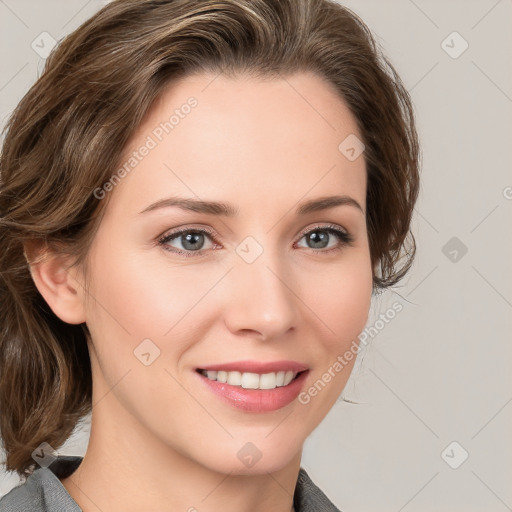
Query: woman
198	200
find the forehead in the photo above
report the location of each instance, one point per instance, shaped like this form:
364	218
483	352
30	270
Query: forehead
243	138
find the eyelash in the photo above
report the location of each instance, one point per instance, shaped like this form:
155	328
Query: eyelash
345	238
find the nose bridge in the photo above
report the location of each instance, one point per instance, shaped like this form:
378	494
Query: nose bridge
262	292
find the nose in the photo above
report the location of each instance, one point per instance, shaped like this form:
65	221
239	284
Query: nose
261	297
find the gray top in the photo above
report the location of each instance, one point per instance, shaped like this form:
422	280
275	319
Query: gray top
43	491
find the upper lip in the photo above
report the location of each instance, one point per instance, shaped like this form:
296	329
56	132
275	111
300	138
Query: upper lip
257	366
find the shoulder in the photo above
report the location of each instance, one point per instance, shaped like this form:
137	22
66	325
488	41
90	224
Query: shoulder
310	498
25	496
43	491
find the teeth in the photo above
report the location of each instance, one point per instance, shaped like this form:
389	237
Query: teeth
249	380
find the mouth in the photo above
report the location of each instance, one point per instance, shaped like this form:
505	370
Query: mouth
250	380
255	386
254	392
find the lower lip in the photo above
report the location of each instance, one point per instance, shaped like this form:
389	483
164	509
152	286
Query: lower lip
256	400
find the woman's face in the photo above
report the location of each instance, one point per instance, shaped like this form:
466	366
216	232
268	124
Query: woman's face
267	283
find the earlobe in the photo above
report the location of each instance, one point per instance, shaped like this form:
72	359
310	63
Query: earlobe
57	283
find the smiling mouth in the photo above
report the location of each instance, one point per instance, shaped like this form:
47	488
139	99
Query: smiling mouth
249	380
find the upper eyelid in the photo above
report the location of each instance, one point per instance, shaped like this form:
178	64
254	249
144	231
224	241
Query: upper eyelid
181	231
326	225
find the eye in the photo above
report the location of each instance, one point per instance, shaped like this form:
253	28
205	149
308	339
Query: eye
320	236
192	240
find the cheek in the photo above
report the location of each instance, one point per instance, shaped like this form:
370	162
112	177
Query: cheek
143	296
340	296
138	299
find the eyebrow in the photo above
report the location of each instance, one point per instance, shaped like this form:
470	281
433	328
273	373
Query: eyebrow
229	210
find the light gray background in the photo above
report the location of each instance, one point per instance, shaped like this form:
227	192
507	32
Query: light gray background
440	371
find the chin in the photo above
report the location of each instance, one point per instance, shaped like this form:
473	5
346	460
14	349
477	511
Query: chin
249	458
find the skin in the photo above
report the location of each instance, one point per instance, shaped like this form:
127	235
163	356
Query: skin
160	440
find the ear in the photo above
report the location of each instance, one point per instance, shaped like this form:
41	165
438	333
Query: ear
56	282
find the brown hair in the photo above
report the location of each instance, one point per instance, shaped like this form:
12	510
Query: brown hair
66	136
